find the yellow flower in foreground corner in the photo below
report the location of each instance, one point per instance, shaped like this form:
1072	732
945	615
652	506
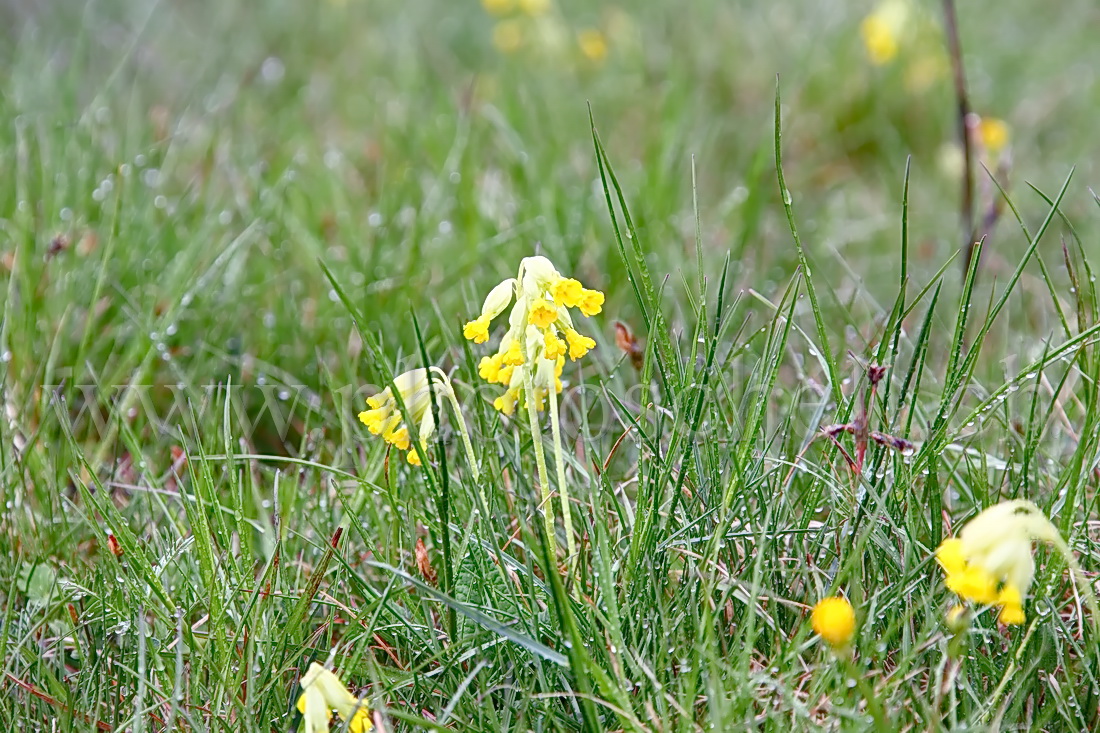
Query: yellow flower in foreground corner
834	620
540	330
415	388
323	692
990	561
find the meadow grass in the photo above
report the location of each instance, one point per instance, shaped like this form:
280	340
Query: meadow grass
225	225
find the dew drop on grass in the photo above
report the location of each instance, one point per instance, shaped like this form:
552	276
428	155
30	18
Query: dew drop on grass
850	683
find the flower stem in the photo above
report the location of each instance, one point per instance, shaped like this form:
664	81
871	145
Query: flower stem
874	707
470	456
540	460
563	491
466	440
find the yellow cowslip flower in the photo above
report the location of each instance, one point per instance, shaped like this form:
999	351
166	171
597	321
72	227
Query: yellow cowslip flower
542	314
993	134
990	561
834	621
554	346
498	7
592	44
508	35
578	345
883	30
496	301
416	388
540	330
323	692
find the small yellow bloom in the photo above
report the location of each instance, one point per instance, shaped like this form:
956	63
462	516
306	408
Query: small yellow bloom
834	620
591	302
542	314
496	301
323	692
879	40
514	355
578	345
990	562
592	44
489	367
553	346
508	36
534	7
993	134
477	330
883	30
498	7
568	292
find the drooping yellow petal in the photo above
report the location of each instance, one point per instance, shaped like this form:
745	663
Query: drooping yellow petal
477	330
514	355
542	314
591	302
578	345
399	438
1012	606
950	555
489	367
568	292
361	721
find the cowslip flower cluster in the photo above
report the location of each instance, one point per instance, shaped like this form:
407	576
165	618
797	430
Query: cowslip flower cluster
415	388
834	621
990	561
540	331
323	692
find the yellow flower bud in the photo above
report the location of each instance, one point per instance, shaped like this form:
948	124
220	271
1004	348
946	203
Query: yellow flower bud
834	621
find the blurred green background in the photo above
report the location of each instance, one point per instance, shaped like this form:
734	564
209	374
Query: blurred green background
398	143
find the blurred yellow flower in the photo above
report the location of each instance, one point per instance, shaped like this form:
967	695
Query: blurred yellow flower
834	621
990	561
993	134
534	7
958	618
498	7
883	29
323	692
508	35
592	44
